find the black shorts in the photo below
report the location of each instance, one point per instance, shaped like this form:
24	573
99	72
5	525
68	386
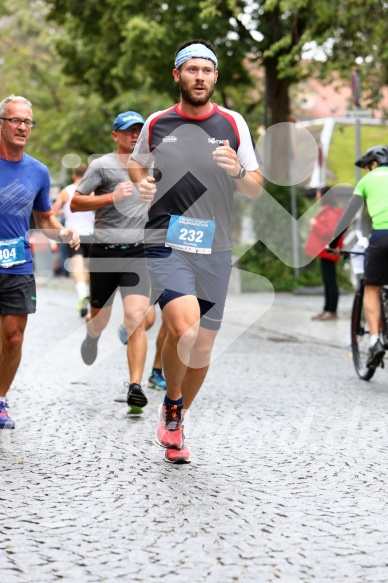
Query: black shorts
177	273
117	267
17	294
83	250
376	259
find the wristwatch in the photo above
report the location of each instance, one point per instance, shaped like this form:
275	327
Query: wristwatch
240	175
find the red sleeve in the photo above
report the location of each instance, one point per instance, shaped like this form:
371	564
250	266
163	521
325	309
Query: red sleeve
326	221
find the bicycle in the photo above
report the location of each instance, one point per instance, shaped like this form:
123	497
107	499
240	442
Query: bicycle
360	330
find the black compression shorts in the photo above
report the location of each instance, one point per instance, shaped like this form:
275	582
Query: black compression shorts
113	267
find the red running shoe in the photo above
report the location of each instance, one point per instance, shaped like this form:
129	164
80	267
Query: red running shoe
177	456
169	432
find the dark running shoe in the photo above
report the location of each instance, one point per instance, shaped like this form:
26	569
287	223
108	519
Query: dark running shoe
89	349
136	396
5	421
375	355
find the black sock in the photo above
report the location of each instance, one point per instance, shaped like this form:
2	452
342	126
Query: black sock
157	370
170	403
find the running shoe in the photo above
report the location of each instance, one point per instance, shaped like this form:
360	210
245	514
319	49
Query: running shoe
5	421
177	456
83	306
156	381
169	432
123	335
136	396
89	349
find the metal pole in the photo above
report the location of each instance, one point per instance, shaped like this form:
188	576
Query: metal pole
294	206
294	212
358	144
357	127
265	120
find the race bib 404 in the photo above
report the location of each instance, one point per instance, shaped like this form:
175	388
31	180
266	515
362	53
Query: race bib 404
190	234
12	252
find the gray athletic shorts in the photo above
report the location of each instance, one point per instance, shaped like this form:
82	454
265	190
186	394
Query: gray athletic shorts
176	273
17	294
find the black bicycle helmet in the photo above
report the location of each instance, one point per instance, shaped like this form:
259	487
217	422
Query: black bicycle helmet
378	154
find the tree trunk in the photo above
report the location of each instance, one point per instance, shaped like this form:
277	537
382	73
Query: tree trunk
277	91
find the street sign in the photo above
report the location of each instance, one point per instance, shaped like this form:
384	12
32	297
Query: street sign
359	113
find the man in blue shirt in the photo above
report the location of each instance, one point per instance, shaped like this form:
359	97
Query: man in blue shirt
24	189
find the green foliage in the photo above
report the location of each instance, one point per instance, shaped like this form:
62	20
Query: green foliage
67	122
119	55
342	150
263	262
71	118
259	259
112	46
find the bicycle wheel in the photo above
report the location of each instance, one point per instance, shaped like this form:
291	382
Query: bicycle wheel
360	336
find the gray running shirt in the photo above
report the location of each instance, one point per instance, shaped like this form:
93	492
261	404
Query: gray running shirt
121	222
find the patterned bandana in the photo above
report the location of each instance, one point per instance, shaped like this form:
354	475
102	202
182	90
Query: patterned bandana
197	51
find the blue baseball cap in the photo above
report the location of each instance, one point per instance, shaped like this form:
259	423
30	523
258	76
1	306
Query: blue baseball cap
126	120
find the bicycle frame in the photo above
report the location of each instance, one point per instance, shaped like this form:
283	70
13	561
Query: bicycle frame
384	316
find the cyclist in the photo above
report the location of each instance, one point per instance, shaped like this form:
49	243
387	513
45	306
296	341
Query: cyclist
373	189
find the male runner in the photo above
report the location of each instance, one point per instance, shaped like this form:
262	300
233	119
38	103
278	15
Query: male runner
25	189
84	223
200	153
116	256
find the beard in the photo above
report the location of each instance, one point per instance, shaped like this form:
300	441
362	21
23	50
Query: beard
187	95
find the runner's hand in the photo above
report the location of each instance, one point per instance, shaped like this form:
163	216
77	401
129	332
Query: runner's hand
226	158
71	237
122	190
147	189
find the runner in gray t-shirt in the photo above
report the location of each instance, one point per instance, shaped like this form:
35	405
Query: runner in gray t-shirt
117	251
124	220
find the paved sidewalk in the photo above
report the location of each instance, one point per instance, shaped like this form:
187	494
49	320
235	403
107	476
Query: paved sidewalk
286	314
288	482
290	316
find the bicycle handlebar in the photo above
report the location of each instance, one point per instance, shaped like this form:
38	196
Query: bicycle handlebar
346	254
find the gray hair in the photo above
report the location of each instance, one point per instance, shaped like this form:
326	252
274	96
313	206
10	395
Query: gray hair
10	98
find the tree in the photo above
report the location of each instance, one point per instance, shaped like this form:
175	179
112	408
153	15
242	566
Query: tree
67	120
341	36
112	46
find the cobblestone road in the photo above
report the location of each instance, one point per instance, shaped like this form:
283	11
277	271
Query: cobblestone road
288	481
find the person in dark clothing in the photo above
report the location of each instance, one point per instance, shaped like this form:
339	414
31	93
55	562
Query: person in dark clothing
321	228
